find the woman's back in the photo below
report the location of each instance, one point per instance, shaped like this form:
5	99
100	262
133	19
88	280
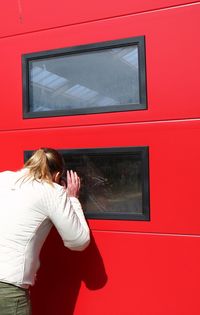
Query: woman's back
31	201
27	210
22	213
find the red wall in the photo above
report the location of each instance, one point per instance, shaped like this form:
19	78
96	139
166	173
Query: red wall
131	268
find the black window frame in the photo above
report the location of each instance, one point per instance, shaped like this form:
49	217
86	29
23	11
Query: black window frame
144	153
142	104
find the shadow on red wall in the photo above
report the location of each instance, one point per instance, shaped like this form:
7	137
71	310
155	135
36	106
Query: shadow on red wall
60	275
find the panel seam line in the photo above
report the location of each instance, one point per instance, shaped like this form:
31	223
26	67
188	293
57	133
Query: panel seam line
106	18
145	233
106	124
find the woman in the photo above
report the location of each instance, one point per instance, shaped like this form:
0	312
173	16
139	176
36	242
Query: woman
31	202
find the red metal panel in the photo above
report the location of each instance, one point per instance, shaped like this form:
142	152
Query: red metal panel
174	166
120	273
172	66
26	16
9	18
140	268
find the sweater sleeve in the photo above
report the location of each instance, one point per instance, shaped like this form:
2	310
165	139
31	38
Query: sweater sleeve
69	220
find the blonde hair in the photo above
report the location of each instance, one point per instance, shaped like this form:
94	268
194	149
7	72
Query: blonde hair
44	164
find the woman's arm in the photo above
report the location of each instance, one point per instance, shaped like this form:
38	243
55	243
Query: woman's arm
68	217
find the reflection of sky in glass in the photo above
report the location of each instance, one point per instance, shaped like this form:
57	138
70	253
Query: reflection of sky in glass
45	78
85	80
129	55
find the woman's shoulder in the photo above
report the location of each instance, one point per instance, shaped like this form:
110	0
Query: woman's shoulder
6	178
7	174
54	188
52	195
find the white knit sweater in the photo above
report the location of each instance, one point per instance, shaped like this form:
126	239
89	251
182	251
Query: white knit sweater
27	212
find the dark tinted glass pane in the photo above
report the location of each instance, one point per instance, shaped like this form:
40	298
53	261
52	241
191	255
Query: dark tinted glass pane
94	79
111	182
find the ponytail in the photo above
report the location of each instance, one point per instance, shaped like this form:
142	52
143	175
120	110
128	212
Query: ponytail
43	165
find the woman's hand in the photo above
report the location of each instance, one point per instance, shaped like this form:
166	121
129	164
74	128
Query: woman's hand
73	184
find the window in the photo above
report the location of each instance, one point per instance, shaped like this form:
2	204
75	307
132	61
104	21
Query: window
102	77
114	181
